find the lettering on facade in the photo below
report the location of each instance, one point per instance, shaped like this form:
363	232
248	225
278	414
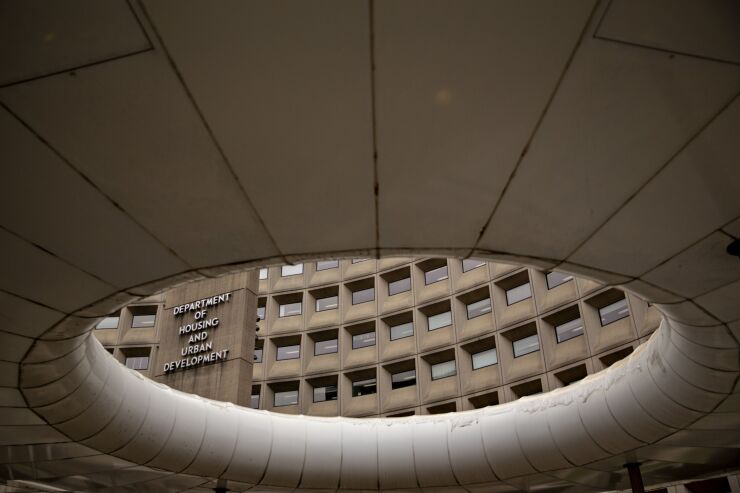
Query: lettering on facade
198	350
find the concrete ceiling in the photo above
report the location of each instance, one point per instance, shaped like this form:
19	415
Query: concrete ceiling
155	142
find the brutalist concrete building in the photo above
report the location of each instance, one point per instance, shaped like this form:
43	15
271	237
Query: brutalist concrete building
156	154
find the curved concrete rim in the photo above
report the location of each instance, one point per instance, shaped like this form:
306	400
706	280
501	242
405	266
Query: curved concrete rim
678	378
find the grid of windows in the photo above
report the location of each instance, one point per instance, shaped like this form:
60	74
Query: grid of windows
614	311
439	320
291	270
526	345
484	358
401	331
363	340
444	370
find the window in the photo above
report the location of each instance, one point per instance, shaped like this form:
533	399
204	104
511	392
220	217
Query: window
263	274
325	347
144	316
363	296
403	379
614	311
555	279
326	265
363	340
260	313
399	286
290	309
478	308
526	345
286	398
472	263
519	293
288	352
359	260
439	320
328	303
108	322
328	393
137	362
485	358
364	387
258	355
402	330
435	275
568	330
444	370
254	402
291	270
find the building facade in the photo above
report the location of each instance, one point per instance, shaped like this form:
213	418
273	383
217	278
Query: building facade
390	337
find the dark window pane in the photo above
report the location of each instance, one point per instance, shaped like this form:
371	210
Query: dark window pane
258	355
439	320
403	379
261	312
291	270
363	296
485	358
325	347
328	393
519	293
363	340
141	321
254	403
400	286
569	330
359	260
108	323
364	387
526	345
613	312
328	303
288	352
479	308
137	362
444	370
286	398
436	275
327	264
555	279
472	263
290	309
402	330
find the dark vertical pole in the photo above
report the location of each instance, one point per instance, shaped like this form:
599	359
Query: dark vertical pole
633	469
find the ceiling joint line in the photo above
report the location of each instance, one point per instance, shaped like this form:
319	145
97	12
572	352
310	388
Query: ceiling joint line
537	125
211	133
657	172
374	122
91	183
665	50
